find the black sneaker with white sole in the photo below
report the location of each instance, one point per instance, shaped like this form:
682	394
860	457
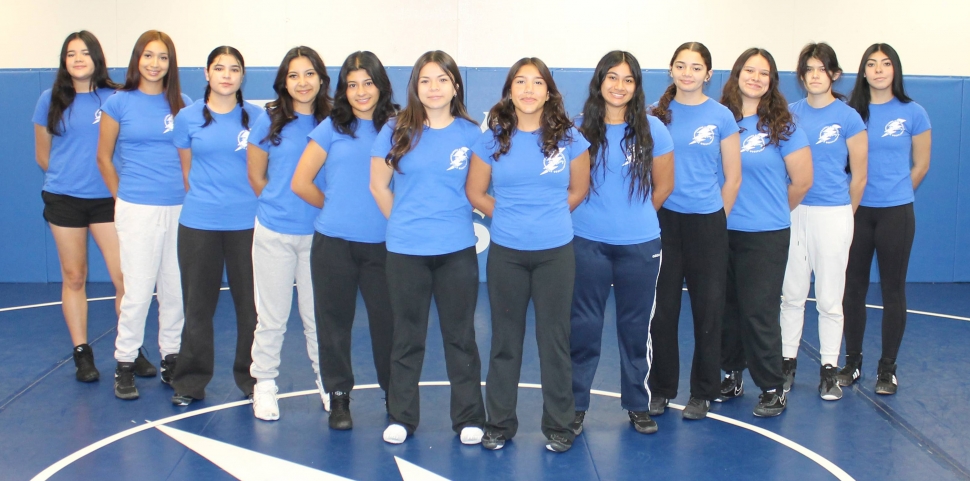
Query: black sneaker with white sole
577	425
168	368
886	382
125	381
852	370
558	443
696	408
144	367
657	405
492	440
828	386
732	386
771	403
642	423
182	399
788	366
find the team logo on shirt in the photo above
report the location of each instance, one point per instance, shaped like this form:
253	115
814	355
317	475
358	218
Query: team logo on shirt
829	134
754	143
629	158
459	159
894	128
97	117
169	123
704	135
555	163
241	140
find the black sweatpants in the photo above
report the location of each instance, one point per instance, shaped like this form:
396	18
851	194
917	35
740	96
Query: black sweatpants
453	281
202	255
338	268
889	232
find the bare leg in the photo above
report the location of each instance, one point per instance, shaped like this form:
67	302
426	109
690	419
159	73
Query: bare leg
72	250
106	237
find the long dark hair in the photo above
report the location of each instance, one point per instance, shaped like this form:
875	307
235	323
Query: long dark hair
637	141
344	120
410	121
63	93
554	124
281	110
774	118
825	54
170	83
215	54
662	110
860	98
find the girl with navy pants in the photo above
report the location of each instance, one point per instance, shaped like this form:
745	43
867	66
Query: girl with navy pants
617	236
216	224
138	125
538	165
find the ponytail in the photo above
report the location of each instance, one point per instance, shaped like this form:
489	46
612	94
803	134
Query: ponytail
662	110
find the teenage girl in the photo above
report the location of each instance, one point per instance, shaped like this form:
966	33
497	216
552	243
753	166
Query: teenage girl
348	250
821	226
216	225
431	244
137	127
884	223
693	223
538	165
777	168
617	238
284	222
75	197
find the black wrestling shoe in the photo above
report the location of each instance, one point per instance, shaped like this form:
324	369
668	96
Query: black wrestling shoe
731	387
852	370
828	386
696	408
168	368
642	423
771	403
144	368
84	363
340	411
788	366
125	381
886	382
577	425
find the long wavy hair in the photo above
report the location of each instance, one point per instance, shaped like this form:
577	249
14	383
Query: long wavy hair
213	56
861	96
63	93
662	109
170	83
410	121
774	118
281	110
825	54
554	123
637	141
344	120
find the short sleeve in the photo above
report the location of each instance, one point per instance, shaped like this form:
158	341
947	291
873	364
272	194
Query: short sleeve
187	100
727	124
323	134
853	123
578	145
382	144
182	136
259	131
662	142
43	106
485	146
921	120
797	141
115	106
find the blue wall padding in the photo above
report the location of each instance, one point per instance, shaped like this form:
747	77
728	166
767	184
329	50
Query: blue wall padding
28	254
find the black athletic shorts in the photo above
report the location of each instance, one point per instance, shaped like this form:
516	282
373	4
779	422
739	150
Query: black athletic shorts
68	211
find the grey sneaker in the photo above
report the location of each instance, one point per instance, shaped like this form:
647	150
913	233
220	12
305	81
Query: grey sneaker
696	408
828	387
558	443
788	366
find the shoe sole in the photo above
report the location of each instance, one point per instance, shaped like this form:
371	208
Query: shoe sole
93	378
341	427
846	381
830	397
182	401
126	397
768	414
492	446
694	416
885	392
557	447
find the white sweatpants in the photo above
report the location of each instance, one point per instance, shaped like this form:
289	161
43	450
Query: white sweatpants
147	237
278	259
820	240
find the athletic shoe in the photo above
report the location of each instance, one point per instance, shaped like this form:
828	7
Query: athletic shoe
324	396
771	403
144	368
558	443
471	435
886	378
788	366
828	387
577	425
125	381
731	387
183	399
852	370
696	408
642	422
395	434
658	405
493	441
264	401
84	363
340	411
168	368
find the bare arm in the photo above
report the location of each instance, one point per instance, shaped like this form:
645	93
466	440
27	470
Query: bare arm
42	146
185	156
731	166
310	164
380	185
799	166
106	151
476	186
578	180
921	157
257	161
662	178
858	146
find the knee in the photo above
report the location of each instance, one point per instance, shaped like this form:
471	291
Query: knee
74	278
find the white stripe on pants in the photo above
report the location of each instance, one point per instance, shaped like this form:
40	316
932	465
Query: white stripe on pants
277	260
148	236
820	240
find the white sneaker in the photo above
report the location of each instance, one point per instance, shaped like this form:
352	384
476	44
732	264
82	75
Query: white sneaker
324	395
264	402
471	435
395	434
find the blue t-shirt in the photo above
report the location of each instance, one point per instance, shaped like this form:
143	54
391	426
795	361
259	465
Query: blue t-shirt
73	166
431	214
531	199
151	173
827	129
762	203
279	209
609	214
892	126
349	210
219	197
697	131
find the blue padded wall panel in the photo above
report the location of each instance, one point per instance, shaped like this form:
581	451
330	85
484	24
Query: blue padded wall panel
961	261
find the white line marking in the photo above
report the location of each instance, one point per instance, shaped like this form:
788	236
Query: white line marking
412	472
